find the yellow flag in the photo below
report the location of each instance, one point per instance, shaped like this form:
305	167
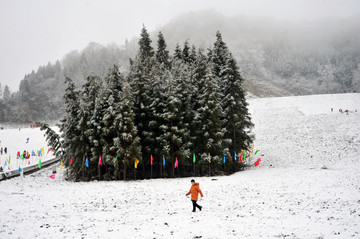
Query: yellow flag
249	154
209	158
136	162
61	166
253	146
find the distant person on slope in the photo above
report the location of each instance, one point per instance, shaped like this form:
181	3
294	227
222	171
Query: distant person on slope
195	190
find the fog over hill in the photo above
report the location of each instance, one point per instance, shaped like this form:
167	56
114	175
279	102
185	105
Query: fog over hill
275	57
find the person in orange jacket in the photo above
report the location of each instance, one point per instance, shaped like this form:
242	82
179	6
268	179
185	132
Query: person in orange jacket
195	190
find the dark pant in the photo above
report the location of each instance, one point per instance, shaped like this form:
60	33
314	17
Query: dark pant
195	205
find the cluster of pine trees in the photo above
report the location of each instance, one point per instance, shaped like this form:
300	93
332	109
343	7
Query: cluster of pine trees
189	106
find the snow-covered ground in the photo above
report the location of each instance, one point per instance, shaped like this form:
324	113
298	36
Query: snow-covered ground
28	139
306	186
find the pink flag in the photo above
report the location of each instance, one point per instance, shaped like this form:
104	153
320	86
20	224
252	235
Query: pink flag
52	176
39	154
48	151
176	163
100	161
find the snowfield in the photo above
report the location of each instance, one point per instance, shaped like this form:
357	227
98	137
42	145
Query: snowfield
306	186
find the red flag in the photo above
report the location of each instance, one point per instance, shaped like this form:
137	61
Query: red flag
100	161
176	163
241	157
71	160
262	155
52	176
256	163
151	160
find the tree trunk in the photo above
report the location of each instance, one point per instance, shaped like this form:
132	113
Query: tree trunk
83	168
125	167
161	166
99	171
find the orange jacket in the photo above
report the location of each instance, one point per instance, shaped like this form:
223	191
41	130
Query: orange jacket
195	190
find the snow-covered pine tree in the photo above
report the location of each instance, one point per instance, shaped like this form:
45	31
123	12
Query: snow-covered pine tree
141	82
108	106
237	117
69	125
174	139
126	141
160	75
89	122
177	52
234	107
162	54
185	54
210	112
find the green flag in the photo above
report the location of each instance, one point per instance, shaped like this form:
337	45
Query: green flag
194	159
40	163
22	156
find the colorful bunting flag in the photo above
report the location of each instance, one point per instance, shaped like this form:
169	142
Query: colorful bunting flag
136	162
176	163
22	157
5	164
194	159
224	159
42	152
151	160
163	160
256	151
235	156
256	163
48	150
100	161
19	169
61	165
71	160
52	176
209	158
87	162
241	158
39	164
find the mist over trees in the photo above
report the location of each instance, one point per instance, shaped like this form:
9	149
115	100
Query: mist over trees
275	58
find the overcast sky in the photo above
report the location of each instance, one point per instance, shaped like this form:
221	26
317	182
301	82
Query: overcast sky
34	32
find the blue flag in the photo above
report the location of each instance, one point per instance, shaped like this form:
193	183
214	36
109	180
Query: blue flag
5	164
163	160
224	158
235	156
87	162
19	169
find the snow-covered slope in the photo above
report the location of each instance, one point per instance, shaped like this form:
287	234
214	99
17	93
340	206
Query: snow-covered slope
306	186
18	140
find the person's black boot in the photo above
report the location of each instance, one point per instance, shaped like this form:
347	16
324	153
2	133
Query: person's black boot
200	208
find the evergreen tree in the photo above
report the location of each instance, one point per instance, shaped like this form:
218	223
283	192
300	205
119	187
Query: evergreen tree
237	120
69	126
177	52
210	114
185	54
90	122
141	83
198	84
126	142
162	54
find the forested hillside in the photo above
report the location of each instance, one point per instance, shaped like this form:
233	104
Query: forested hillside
275	58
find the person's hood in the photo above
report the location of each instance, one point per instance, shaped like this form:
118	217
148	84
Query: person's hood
196	185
